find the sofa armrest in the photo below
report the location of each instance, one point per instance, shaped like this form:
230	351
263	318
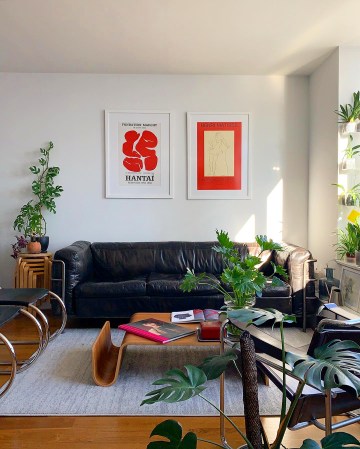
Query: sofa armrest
78	268
299	265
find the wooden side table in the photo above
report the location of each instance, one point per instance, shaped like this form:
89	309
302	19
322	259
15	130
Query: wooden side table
33	270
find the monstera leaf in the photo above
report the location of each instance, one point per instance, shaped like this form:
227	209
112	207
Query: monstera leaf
260	316
179	386
334	366
214	366
336	440
172	430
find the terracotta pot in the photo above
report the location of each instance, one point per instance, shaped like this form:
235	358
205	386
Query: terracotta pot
33	247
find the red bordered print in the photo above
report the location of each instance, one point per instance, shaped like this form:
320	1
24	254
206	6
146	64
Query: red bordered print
209	154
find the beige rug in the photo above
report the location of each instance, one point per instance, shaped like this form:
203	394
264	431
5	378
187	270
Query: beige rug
60	382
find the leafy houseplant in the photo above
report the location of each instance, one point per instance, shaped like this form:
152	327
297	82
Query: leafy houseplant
348	241
241	280
30	221
332	367
351	150
20	244
349	113
350	197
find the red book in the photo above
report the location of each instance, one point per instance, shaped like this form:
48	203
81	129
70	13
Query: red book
157	330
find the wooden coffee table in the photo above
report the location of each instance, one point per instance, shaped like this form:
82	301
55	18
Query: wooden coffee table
107	358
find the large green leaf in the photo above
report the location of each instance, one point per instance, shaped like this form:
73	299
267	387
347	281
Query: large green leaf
172	430
179	386
214	366
334	366
336	440
259	316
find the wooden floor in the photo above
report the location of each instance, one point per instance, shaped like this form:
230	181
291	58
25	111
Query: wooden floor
123	432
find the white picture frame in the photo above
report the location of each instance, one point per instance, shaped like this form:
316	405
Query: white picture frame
218	155
138	159
350	288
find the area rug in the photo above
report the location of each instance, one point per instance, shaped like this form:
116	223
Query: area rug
60	382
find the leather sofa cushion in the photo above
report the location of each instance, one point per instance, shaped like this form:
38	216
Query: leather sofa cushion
133	287
116	261
162	284
276	291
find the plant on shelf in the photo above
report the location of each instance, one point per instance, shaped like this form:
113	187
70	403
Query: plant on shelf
349	197
348	240
351	150
349	113
240	281
30	220
332	367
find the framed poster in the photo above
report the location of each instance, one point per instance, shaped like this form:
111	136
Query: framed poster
218	155
138	154
350	288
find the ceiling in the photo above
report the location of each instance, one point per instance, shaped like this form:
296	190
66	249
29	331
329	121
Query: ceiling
257	37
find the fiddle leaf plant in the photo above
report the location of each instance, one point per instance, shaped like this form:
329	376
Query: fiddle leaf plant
30	220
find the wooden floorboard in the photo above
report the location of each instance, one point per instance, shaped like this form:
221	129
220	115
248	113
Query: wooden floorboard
123	432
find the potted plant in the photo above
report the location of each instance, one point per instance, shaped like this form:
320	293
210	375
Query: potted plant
350	152
335	361
350	197
349	113
30	220
241	281
19	246
348	242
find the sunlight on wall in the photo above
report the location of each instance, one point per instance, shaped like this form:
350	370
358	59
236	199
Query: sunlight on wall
274	220
247	232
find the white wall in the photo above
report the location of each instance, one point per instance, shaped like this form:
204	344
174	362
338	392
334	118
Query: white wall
323	211
69	110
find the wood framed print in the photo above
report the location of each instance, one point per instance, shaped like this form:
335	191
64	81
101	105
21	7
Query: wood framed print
138	154
350	288
218	155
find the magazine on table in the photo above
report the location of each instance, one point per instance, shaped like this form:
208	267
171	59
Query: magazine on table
157	330
195	316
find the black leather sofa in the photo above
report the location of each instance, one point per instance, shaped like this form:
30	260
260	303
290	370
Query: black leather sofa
115	280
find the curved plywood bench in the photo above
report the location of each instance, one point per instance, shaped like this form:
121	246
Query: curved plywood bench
107	357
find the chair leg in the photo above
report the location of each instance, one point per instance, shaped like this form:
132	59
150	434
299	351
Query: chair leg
328	413
42	342
5	387
63	315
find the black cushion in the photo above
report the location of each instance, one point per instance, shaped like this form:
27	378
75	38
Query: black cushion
132	287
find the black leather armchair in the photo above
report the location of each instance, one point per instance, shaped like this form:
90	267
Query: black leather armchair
313	404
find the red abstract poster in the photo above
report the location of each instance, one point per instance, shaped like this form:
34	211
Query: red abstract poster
138	154
219	155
